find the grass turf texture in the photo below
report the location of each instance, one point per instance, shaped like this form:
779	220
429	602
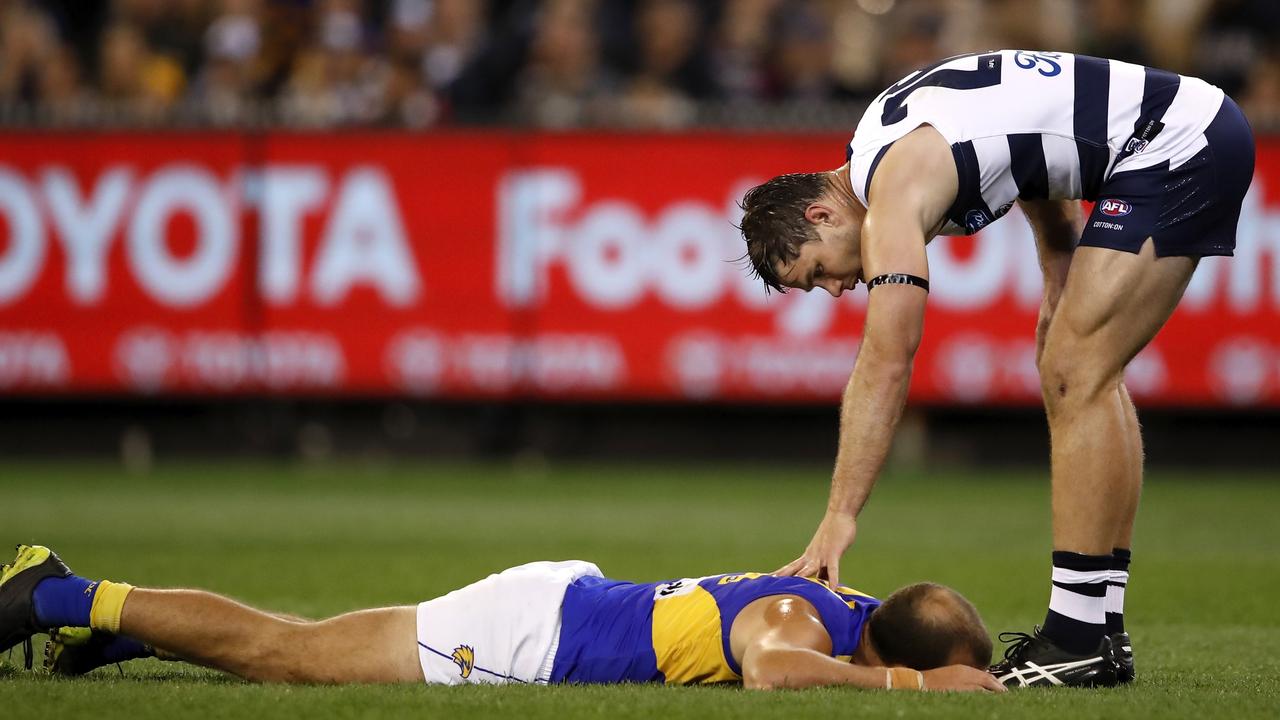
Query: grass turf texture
319	541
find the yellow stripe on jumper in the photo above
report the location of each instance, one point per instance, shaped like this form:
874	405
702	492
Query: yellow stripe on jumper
687	640
841	592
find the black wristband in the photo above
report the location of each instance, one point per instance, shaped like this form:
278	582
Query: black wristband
898	279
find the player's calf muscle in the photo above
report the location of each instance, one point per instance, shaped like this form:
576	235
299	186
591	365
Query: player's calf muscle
203	627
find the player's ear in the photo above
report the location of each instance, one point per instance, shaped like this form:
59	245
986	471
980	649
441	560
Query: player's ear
819	213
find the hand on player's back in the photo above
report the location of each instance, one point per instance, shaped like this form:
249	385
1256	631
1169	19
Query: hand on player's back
822	558
961	678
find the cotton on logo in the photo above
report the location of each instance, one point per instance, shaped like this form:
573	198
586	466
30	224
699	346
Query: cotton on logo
1115	208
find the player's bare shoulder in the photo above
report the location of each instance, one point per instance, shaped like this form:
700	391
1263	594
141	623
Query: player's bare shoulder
917	175
788	620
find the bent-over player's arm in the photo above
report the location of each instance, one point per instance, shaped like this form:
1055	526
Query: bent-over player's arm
780	642
910	193
1056	225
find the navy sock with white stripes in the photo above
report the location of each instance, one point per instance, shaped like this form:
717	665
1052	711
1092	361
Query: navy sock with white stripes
1076	620
1119	579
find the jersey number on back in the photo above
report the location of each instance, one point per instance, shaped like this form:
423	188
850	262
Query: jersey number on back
684	586
986	75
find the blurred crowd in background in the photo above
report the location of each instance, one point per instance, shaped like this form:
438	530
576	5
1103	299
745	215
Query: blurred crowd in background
570	63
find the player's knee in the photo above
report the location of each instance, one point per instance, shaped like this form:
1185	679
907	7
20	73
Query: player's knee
1068	379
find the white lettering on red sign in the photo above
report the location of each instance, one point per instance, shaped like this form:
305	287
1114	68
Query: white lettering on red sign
285	195
150	360
415	361
1257	257
612	253
615	256
86	226
975	367
1241	369
418	360
182	281
363	242
33	359
20	265
703	364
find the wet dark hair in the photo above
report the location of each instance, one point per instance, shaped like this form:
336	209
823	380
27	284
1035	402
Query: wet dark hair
922	626
773	222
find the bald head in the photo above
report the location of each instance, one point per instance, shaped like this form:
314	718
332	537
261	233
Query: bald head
926	626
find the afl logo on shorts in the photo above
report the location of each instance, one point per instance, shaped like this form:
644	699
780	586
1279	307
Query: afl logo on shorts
1115	208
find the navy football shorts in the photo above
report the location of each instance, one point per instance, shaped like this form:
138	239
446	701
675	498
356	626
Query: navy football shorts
1191	210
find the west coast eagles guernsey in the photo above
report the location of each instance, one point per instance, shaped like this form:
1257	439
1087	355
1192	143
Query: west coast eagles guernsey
1036	125
678	631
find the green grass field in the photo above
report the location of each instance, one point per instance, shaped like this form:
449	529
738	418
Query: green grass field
317	541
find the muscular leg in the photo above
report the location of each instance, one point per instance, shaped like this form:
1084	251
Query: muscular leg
1133	484
1113	305
369	646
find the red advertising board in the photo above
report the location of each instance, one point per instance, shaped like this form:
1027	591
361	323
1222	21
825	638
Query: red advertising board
588	266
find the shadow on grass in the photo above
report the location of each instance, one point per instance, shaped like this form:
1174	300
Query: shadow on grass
137	672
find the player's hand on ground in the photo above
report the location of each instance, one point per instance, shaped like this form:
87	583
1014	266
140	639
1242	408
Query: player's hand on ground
822	558
961	678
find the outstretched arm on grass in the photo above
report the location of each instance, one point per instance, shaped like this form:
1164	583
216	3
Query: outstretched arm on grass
780	642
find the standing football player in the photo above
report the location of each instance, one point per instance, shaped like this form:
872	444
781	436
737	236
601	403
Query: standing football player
949	150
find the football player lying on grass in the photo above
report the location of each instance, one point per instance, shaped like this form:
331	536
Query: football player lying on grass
544	622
